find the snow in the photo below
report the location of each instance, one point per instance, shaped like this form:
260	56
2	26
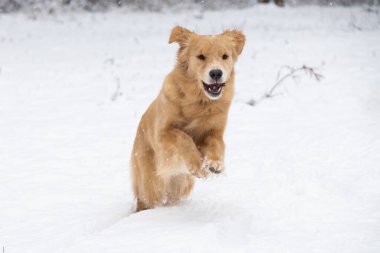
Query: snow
302	168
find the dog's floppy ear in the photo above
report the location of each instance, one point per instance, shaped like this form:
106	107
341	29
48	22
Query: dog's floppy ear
180	35
238	39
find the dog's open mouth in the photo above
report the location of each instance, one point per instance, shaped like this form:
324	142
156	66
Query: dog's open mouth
214	90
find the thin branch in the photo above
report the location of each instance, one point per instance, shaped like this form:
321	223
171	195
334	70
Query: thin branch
292	73
117	92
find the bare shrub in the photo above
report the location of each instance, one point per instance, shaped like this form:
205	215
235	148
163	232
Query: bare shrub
292	73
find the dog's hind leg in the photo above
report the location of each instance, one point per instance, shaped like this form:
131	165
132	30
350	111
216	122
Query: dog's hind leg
179	187
147	187
140	206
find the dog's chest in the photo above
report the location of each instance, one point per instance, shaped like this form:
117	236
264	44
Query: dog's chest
197	121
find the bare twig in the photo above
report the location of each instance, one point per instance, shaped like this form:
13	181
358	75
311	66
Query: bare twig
292	73
308	70
117	92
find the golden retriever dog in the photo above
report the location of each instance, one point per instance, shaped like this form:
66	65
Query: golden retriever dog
180	136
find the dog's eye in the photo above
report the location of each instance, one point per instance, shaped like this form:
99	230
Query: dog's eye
225	57
201	57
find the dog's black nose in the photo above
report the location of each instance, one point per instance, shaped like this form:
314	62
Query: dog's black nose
216	74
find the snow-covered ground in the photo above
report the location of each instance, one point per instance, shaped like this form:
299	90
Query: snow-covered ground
303	168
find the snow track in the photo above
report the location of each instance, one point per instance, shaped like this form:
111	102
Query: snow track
303	171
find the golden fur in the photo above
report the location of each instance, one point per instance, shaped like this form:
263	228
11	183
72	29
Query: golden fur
181	134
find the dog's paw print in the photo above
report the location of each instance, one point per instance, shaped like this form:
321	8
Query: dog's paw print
212	166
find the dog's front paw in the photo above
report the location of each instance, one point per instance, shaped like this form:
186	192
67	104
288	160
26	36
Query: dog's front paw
200	173
196	170
212	165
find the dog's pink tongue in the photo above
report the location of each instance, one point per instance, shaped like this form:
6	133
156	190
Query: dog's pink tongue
215	87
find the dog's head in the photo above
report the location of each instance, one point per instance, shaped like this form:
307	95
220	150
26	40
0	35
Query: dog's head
208	60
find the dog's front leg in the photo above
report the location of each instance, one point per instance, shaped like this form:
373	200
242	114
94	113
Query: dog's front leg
212	150
175	148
